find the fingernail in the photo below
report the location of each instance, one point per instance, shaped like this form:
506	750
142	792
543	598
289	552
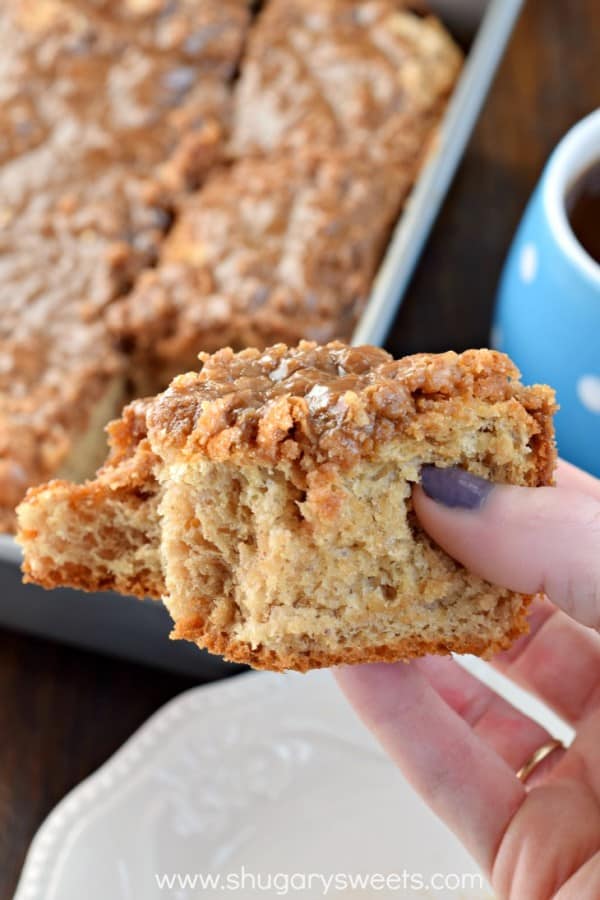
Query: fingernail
454	487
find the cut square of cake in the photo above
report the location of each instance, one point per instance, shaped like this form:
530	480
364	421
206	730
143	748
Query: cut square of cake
272	249
342	73
141	83
267	498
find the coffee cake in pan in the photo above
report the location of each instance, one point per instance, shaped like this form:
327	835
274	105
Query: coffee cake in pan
111	113
335	108
267	498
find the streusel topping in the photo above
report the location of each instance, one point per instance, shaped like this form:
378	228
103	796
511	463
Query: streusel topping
329	401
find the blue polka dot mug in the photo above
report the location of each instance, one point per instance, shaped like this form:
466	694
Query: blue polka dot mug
548	306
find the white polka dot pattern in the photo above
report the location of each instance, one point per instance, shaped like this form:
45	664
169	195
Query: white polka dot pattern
588	391
528	263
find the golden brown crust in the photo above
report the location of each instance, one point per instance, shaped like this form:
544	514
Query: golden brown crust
405	649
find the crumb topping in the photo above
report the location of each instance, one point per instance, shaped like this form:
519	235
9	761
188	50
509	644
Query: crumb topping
332	401
121	82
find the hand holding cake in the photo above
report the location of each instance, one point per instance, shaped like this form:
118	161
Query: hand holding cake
461	744
267	499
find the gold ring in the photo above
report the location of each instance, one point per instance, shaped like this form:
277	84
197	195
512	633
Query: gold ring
536	758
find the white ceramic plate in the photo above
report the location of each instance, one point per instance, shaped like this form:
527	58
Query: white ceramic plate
268	774
271	773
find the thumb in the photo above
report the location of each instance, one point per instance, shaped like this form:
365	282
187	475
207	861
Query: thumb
526	539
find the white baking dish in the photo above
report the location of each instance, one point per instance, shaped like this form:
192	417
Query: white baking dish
138	630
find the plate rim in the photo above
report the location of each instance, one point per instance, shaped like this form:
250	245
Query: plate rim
39	865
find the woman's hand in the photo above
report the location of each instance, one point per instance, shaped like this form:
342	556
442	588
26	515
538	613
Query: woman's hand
457	741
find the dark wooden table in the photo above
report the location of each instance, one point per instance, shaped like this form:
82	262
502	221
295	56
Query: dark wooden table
64	711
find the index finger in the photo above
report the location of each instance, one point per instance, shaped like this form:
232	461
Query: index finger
531	540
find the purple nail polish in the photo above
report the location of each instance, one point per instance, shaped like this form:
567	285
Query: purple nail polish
454	487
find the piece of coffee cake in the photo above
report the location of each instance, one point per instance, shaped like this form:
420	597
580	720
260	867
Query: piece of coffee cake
106	531
374	77
271	249
275	489
141	83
